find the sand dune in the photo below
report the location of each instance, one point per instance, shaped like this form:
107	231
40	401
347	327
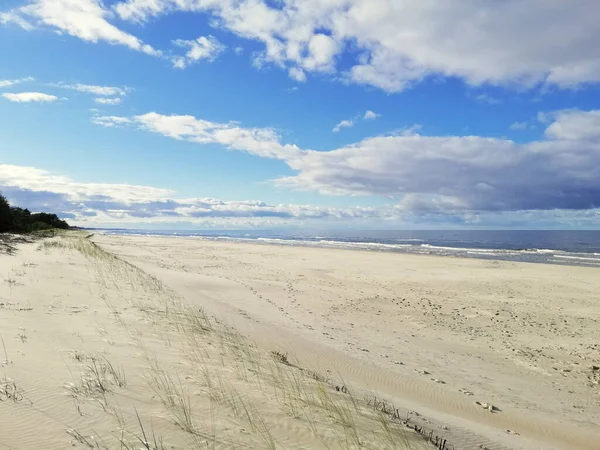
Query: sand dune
98	354
170	343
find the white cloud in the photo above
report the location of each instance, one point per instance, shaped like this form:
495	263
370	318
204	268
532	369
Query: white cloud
33	179
238	50
518	126
348	123
343	124
297	74
108	101
105	204
395	43
263	142
575	126
202	48
399	42
84	19
11	17
7	83
28	97
107	91
96	203
322	50
459	173
486	98
111	121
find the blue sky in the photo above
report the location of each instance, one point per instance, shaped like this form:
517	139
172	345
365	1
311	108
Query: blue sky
289	113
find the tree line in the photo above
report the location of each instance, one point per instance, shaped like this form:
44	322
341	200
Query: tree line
14	219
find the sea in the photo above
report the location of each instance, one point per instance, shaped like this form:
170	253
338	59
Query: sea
580	248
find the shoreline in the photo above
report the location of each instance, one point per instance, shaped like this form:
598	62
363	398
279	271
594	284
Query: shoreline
519	255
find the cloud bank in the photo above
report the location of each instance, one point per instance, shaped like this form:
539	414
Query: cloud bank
89	204
105	204
424	173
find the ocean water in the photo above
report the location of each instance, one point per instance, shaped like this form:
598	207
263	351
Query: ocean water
550	247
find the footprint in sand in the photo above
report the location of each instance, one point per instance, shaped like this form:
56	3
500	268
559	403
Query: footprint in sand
488	406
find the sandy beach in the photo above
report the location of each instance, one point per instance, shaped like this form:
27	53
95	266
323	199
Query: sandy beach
100	335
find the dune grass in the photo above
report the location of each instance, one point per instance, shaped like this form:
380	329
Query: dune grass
225	382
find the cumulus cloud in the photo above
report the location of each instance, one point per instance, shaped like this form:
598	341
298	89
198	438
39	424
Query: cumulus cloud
8	83
399	42
28	97
343	124
89	204
575	125
392	43
202	48
84	19
453	173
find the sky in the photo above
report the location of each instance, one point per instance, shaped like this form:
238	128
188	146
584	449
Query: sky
365	114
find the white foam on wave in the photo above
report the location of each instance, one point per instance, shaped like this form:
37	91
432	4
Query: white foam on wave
414	246
582	258
363	244
494	251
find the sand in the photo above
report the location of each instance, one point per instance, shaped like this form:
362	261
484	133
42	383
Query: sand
442	339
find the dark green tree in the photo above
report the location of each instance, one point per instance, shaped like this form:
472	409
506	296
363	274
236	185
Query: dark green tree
5	218
19	220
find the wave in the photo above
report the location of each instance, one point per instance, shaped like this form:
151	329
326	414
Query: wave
363	244
495	251
452	248
582	258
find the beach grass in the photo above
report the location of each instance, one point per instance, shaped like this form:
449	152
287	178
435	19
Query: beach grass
222	382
